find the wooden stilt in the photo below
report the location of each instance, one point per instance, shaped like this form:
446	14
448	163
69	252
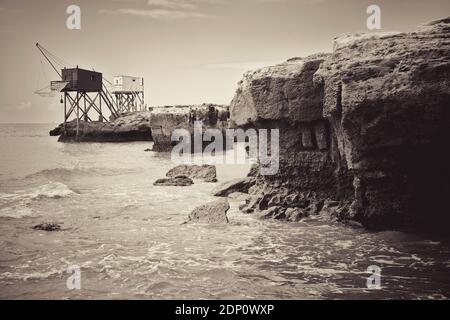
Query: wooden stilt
100	105
85	110
82	103
129	101
78	116
65	110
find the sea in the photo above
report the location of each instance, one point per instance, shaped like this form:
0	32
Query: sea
128	240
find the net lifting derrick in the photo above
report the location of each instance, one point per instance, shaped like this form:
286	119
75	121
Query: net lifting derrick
82	91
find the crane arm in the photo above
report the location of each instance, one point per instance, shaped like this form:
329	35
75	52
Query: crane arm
43	50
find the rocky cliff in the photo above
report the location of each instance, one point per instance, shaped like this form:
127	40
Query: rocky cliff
363	131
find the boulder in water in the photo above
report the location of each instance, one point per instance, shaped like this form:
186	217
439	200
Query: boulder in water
178	181
214	212
204	172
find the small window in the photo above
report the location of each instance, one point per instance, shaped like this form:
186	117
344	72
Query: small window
92	78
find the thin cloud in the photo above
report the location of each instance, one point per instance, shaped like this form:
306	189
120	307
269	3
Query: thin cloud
171	4
24	105
159	14
183	4
182	9
248	65
297	1
190	4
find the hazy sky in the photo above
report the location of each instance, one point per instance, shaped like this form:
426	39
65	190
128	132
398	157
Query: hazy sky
188	51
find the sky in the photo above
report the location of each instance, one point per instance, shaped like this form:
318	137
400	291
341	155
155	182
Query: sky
188	51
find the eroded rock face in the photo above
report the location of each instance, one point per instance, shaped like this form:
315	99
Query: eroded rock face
281	92
233	186
214	212
206	172
366	125
167	119
387	98
285	97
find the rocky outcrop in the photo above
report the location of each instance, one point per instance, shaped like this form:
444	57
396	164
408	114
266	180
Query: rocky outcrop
233	186
166	119
155	125
178	181
364	127
134	126
214	212
206	172
57	131
301	203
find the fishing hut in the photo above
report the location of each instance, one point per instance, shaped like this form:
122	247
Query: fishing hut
128	92
84	94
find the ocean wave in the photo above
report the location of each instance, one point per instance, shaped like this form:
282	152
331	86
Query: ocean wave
59	174
18	204
31	275
48	190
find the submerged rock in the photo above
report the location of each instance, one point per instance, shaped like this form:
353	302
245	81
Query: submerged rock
214	212
47	227
205	172
178	181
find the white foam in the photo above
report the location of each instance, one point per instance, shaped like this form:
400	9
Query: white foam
18	204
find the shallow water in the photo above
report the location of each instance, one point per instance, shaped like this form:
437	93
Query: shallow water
127	235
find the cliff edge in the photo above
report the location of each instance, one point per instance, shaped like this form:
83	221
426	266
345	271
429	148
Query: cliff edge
364	129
